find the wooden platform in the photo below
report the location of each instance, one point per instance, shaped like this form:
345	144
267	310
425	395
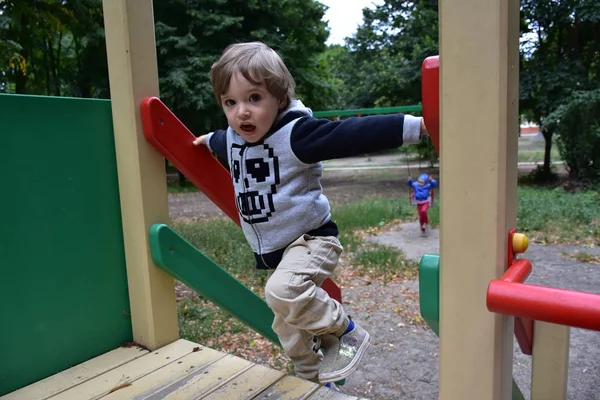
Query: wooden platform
180	370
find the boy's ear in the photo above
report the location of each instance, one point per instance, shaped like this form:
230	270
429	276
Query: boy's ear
282	103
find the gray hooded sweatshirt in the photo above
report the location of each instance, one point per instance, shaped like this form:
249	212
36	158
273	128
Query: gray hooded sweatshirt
277	181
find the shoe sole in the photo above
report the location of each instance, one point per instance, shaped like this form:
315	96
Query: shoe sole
350	368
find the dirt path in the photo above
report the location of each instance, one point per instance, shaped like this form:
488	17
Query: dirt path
402	362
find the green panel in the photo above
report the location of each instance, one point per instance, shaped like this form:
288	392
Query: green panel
429	290
368	111
189	265
429	301
63	285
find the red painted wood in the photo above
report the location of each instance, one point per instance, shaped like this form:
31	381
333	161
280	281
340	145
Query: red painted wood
430	92
332	289
540	303
524	334
174	141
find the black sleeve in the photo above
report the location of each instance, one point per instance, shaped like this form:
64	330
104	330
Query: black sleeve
218	144
315	140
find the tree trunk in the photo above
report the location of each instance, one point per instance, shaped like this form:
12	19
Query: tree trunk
547	150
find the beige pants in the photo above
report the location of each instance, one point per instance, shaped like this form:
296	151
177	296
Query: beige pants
302	309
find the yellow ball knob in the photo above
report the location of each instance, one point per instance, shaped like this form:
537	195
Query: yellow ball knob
519	243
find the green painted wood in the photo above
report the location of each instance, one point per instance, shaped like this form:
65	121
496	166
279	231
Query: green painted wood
429	290
183	261
429	301
367	111
63	284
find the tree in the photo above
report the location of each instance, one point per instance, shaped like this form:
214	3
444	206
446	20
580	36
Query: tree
192	34
390	46
560	54
53	47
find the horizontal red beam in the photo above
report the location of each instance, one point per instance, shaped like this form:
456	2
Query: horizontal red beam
540	303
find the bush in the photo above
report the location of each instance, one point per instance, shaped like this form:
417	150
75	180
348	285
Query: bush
577	124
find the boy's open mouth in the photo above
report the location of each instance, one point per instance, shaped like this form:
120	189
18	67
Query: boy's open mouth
247	128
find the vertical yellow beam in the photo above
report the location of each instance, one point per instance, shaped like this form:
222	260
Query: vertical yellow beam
550	368
479	106
131	49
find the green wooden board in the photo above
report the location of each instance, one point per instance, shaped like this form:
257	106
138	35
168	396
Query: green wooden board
183	261
63	285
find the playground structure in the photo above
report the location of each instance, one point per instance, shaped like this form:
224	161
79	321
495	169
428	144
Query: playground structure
93	239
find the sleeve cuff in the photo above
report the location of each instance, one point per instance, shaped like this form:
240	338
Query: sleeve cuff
209	136
411	130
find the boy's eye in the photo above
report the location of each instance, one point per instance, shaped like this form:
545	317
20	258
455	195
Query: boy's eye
229	102
255	97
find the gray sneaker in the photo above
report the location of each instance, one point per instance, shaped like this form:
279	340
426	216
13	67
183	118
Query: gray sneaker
342	355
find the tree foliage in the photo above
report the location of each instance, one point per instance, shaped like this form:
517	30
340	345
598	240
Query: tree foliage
190	39
560	54
53	48
577	124
57	48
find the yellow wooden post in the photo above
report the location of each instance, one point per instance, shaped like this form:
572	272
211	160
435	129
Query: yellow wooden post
479	106
131	49
550	366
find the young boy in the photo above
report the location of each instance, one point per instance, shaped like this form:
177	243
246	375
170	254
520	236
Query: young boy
274	148
422	187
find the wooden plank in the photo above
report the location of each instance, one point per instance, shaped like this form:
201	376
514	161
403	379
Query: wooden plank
324	393
77	375
550	366
133	370
184	379
289	388
247	384
479	73
133	73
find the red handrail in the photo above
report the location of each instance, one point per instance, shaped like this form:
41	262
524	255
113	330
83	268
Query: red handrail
510	296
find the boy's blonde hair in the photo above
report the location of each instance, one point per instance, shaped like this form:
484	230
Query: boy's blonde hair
257	63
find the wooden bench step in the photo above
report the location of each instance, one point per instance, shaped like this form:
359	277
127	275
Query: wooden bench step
180	370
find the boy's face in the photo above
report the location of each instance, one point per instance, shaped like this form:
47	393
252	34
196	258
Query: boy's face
421	183
250	109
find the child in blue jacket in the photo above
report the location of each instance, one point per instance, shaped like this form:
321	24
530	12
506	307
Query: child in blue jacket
422	187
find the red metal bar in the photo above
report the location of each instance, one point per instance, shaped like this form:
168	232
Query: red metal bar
558	306
517	272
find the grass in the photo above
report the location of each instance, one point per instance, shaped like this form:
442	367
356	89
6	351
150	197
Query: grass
176	187
223	241
547	215
553	216
583	257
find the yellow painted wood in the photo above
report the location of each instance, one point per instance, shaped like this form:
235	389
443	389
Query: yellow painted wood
76	375
197	373
131	52
325	393
479	83
133	370
246	385
289	388
550	366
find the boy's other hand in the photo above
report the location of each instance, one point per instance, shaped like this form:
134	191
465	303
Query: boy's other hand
200	140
